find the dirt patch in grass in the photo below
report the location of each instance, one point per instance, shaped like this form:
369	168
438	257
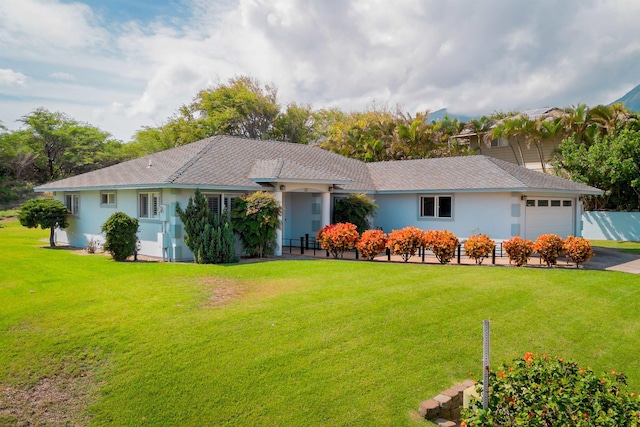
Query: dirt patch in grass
56	401
223	291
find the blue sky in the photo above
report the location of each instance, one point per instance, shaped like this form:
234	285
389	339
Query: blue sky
125	64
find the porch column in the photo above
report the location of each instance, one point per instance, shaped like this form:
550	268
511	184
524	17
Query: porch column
278	195
326	209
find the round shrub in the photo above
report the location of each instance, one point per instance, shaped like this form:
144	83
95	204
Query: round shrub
478	247
442	243
120	240
578	250
518	250
405	242
549	247
544	391
371	243
338	238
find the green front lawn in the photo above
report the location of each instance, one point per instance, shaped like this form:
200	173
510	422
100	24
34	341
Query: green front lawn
628	247
289	343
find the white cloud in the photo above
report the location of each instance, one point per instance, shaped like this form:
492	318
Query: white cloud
9	77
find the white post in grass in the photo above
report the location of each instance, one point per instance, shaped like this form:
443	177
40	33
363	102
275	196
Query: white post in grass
486	347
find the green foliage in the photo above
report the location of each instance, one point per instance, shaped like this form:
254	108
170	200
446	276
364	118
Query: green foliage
543	391
611	163
255	218
120	230
210	239
44	213
355	209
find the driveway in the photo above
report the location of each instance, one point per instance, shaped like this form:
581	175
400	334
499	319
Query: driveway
613	260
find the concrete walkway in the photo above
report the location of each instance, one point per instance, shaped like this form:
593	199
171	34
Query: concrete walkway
613	260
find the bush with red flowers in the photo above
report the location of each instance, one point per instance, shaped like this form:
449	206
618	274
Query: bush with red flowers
442	243
518	250
405	242
371	243
545	391
549	247
578	250
478	247
338	238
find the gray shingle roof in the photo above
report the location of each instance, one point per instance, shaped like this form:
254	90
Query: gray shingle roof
467	173
230	162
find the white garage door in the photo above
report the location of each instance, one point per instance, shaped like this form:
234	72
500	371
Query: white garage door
545	216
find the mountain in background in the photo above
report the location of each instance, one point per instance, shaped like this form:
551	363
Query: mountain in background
439	115
631	99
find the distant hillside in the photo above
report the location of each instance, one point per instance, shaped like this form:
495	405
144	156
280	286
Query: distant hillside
439	115
631	99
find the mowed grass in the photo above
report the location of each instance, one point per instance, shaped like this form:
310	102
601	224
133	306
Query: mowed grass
624	246
290	343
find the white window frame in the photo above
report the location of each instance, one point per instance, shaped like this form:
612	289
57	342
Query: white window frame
500	142
150	207
72	202
224	203
436	206
110	198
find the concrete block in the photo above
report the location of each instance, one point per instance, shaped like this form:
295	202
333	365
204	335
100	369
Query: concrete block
445	401
430	409
444	423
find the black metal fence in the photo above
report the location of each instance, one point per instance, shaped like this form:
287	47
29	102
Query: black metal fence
308	245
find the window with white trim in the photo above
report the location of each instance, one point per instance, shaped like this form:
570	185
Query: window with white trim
148	204
108	198
500	142
72	202
436	206
214	203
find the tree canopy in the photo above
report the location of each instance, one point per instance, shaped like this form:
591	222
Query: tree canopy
44	213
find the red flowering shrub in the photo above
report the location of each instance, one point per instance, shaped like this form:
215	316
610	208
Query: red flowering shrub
518	250
578	250
549	247
442	243
546	391
478	247
338	238
405	242
371	243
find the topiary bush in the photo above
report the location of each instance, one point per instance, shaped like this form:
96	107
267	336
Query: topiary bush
578	250
549	247
338	238
518	250
44	213
256	218
442	243
478	247
371	243
405	242
120	240
354	209
544	391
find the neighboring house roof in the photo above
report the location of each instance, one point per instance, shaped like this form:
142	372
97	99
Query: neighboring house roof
226	162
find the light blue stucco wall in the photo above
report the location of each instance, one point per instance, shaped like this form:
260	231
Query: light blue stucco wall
623	226
487	213
85	226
